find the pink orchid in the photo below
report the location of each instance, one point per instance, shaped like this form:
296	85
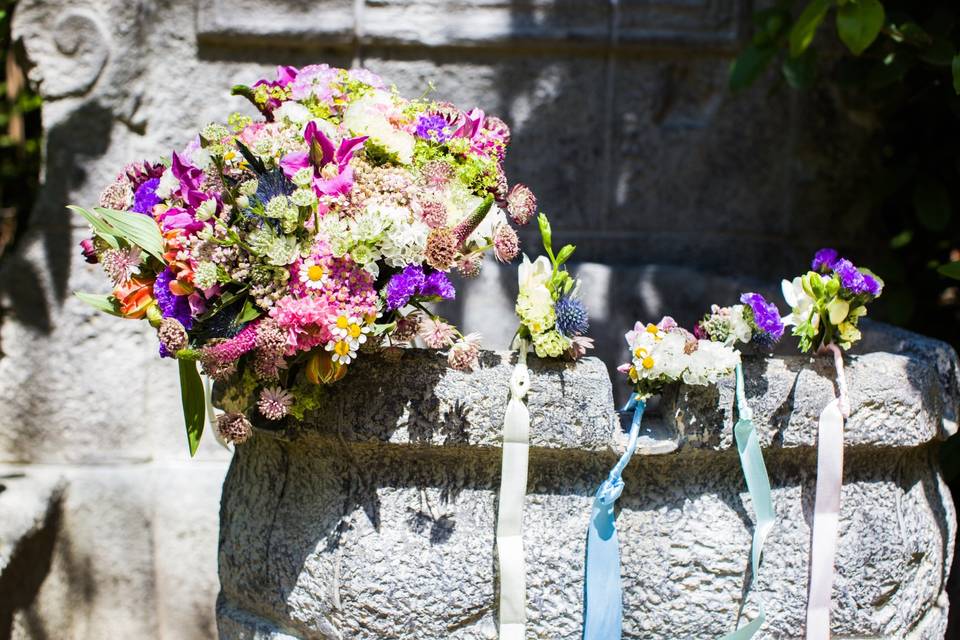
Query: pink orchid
332	174
471	125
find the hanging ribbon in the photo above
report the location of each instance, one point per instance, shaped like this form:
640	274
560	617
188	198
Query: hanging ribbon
826	511
758	484
603	602
513	489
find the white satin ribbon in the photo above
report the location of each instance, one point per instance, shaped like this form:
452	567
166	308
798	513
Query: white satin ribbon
513	489
826	511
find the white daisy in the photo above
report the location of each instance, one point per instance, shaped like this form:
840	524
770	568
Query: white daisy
312	275
343	351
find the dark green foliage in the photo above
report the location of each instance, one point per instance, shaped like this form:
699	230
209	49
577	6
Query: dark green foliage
20	137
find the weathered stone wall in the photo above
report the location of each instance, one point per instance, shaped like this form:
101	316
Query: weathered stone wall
622	124
377	520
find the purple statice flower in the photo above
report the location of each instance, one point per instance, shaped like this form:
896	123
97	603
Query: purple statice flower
824	259
404	285
433	126
145	197
571	316
170	305
765	315
437	285
871	285
850	277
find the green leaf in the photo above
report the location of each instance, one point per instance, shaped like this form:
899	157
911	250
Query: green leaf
564	254
102	303
194	403
255	162
911	33
858	24
546	233
748	66
101	228
249	312
135	228
955	67
801	35
800	72
951	270
931	202
938	54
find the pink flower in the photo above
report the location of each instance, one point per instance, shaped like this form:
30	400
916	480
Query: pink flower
506	245
274	402
437	334
332	173
305	321
464	355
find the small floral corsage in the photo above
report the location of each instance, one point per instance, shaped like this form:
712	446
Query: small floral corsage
552	317
754	321
828	301
665	352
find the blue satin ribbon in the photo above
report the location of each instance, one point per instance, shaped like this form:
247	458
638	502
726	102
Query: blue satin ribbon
758	484
603	601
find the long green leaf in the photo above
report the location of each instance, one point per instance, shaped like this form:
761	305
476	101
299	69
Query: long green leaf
191	395
99	302
951	270
801	35
859	23
101	228
137	229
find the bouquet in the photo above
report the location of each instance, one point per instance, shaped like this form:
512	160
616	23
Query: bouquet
826	306
828	301
552	317
754	321
276	250
665	352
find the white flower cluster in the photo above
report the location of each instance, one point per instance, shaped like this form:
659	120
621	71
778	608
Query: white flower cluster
381	232
663	353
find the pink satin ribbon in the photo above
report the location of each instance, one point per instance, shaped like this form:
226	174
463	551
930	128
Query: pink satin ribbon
826	511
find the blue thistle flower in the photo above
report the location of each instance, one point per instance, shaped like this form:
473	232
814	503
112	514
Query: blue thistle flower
273	184
572	319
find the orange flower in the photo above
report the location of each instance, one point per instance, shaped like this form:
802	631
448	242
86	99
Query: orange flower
181	269
322	369
135	297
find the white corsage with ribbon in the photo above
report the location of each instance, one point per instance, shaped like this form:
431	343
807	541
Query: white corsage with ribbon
660	354
826	305
553	324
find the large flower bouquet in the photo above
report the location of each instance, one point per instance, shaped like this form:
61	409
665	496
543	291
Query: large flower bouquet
275	250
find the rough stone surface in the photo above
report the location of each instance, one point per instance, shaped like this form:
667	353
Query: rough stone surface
377	520
30	513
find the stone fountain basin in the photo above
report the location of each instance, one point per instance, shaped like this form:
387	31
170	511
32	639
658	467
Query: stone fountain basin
376	517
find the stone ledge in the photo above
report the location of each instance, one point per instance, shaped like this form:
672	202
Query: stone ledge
541	24
896	401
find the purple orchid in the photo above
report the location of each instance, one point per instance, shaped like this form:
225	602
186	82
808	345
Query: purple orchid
178	218
472	124
190	178
332	173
